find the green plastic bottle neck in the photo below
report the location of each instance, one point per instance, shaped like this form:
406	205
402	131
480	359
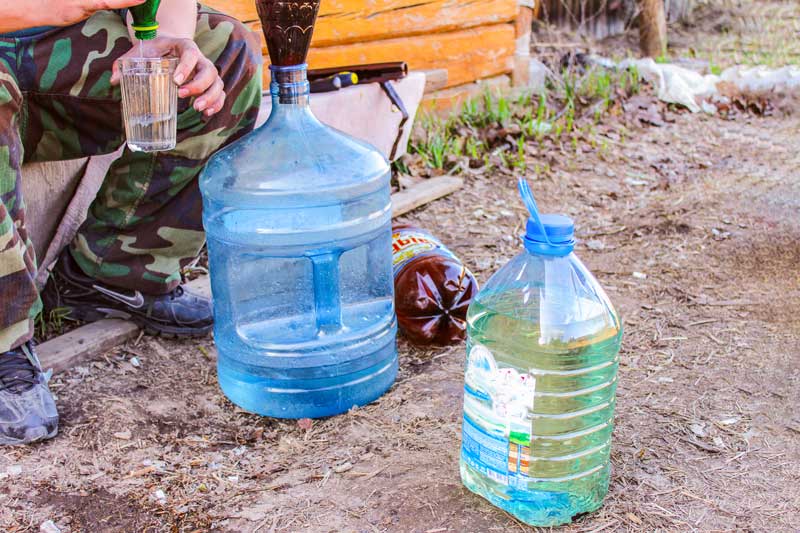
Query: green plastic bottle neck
145	24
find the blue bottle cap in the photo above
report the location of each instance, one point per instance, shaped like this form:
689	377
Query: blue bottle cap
546	234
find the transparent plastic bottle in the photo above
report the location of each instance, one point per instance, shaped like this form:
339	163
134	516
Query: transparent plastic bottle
539	394
298	218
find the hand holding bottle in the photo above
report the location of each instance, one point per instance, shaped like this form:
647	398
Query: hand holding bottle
195	74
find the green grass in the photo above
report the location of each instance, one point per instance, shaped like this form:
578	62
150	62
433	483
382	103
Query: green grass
487	110
663	58
400	166
630	80
437	143
472	147
52	323
566	111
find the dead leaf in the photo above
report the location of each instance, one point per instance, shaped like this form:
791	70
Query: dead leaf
633	518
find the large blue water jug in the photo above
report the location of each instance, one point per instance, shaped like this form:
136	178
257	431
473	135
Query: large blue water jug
298	218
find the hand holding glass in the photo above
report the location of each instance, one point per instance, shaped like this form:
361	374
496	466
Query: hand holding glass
149	103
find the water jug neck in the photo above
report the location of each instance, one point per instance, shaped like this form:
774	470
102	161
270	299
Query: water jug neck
289	85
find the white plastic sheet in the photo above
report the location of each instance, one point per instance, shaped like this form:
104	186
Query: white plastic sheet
698	92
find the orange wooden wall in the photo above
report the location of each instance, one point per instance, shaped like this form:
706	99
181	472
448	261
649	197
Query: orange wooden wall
471	39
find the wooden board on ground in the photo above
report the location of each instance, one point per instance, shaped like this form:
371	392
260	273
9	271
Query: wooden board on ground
82	343
93	339
351	21
424	193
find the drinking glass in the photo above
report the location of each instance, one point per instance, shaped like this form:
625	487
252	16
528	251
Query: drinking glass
149	103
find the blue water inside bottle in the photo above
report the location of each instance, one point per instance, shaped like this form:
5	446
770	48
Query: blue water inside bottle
298	219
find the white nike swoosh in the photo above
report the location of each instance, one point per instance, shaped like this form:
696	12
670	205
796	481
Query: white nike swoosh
136	301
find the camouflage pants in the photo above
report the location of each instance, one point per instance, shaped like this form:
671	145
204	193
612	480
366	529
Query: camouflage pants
145	223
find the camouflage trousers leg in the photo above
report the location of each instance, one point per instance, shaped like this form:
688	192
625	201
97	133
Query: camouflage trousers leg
18	293
145	224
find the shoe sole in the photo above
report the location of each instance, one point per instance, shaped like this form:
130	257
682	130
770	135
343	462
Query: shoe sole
32	436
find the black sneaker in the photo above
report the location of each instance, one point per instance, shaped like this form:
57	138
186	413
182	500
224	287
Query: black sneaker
180	313
27	409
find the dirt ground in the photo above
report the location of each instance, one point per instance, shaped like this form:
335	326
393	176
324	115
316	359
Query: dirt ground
694	230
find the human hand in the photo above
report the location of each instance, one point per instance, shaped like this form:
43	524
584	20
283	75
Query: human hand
195	74
66	12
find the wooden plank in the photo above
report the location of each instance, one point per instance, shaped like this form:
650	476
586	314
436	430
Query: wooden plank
467	55
85	342
91	340
350	21
424	193
435	79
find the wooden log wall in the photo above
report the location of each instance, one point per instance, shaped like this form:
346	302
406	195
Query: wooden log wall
471	40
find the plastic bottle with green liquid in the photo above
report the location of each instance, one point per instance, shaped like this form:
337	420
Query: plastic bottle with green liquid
541	374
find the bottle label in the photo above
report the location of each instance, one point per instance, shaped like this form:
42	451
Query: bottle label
497	428
410	243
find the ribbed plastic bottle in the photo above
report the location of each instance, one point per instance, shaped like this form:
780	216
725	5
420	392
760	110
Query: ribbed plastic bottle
298	218
541	374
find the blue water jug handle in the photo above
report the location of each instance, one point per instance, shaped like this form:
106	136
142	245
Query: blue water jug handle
530	203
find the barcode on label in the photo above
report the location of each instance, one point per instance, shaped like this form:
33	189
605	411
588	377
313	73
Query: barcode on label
495	476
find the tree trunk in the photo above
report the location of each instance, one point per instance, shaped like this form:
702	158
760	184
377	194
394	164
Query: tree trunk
653	28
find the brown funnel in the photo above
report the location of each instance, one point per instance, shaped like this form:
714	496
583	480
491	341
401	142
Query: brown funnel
287	25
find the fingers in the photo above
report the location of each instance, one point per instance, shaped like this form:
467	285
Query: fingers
195	74
215	107
204	77
212	100
198	76
189	57
115	72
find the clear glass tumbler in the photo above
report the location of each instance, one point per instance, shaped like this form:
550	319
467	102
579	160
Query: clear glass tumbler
149	103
